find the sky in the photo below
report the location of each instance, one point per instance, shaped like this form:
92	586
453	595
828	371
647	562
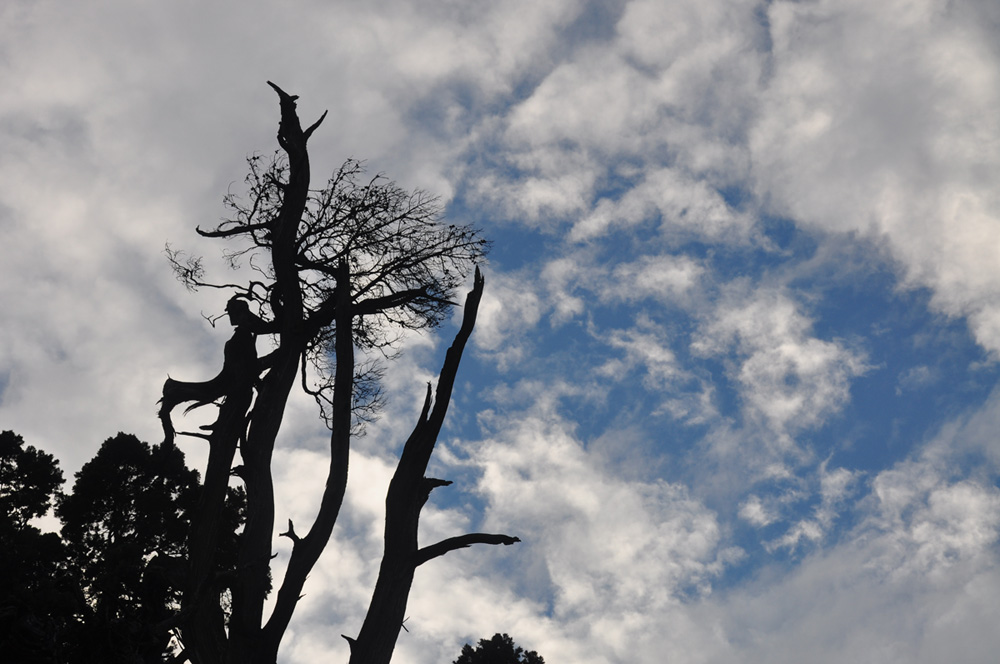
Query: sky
733	380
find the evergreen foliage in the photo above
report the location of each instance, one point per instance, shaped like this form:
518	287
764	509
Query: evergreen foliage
500	649
106	589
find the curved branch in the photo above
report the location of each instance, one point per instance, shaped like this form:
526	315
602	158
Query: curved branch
461	542
238	230
375	305
308	132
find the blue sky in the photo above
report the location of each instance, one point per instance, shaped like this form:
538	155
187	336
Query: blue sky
733	381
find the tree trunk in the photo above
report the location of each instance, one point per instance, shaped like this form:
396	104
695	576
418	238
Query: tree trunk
408	492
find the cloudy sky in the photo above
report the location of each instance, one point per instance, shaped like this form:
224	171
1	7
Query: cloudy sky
733	378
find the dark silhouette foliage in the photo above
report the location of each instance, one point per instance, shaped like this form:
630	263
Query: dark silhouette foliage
125	525
29	480
131	497
108	589
500	649
39	597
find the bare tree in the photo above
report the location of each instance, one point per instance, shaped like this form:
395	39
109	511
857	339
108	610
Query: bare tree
341	271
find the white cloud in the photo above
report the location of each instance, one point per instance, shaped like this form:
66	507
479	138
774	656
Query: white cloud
915	378
912	582
834	607
753	510
562	277
661	277
933	523
642	108
683	205
835	487
788	379
646	345
509	309
613	553
876	120
613	571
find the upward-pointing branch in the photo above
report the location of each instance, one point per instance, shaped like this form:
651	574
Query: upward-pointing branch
408	491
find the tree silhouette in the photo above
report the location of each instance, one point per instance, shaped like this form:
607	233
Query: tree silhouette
500	649
37	600
342	271
108	589
125	526
29	480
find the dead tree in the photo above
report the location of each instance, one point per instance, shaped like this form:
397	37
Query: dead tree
341	268
408	491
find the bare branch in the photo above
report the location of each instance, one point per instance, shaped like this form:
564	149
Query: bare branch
461	542
308	132
290	533
239	230
195	434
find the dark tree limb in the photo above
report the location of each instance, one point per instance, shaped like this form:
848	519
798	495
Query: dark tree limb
195	434
431	483
408	492
248	642
236	230
239	370
204	621
306	550
395	300
308	132
461	542
290	533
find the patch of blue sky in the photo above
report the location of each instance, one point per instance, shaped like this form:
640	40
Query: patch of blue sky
926	368
781	246
516	247
765	546
595	21
852	297
788	239
909	394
